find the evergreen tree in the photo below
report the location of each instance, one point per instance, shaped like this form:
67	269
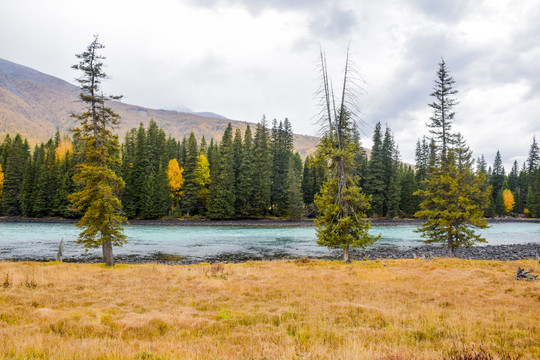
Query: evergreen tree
443	114
189	201
307	181
533	161
341	203
263	169
408	202
13	176
497	179
282	147
376	175
222	197
295	205
102	220
455	199
245	181
422	156
392	186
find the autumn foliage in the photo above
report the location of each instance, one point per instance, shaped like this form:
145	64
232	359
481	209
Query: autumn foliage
508	199
174	173
65	146
1	180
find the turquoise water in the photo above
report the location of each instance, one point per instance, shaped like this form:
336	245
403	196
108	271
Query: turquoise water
40	240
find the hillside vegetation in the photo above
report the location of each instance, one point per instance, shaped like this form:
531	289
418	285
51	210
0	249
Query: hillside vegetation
384	309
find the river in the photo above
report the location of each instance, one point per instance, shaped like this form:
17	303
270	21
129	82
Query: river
19	240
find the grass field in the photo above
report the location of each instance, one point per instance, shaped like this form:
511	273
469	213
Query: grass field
383	309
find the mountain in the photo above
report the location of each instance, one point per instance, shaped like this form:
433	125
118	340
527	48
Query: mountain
36	105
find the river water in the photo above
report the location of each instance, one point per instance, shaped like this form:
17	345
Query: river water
41	240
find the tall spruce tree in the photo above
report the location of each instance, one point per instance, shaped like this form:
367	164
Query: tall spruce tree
222	197
17	156
443	113
102	221
190	188
454	197
262	177
245	181
342	204
376	174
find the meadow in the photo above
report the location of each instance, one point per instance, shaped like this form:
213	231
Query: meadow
298	309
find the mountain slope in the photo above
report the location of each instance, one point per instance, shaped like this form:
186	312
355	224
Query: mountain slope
36	105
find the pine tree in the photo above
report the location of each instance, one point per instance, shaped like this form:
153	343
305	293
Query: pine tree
295	205
245	181
13	176
443	114
455	196
533	161
102	220
376	174
497	179
455	199
263	169
189	201
392	188
222	197
341	203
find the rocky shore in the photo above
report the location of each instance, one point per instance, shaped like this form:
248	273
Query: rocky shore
487	252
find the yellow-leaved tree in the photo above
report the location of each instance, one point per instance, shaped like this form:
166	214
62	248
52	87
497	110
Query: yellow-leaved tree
176	180
508	199
1	181
202	177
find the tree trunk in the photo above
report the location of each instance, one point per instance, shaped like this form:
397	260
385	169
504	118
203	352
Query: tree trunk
108	253
451	246
346	254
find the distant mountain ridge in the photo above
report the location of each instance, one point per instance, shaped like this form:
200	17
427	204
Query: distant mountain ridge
36	105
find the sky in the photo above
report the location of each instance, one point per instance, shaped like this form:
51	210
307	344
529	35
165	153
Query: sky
247	58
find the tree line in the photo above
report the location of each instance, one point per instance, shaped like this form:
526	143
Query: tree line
253	174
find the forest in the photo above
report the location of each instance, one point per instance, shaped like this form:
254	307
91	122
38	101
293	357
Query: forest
250	175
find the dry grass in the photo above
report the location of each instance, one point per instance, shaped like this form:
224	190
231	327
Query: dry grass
388	309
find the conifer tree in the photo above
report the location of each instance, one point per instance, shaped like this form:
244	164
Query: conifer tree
295	205
245	181
341	203
263	169
102	221
455	196
533	160
443	114
13	176
376	174
191	188
455	199
222	197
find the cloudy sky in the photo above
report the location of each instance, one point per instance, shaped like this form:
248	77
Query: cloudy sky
246	58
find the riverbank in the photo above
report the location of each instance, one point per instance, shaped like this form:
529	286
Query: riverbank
486	252
262	222
384	309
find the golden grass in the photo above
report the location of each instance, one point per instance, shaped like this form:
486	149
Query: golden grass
384	309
